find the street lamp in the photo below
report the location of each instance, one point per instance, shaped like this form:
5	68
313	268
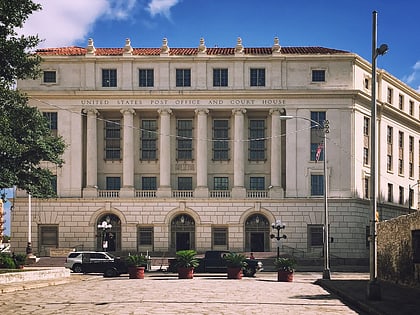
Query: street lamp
278	226
105	225
326	274
410	194
374	289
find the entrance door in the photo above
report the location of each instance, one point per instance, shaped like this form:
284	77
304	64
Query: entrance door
182	241
257	242
257	233
182	233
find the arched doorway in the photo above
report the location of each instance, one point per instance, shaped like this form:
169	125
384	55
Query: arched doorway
257	233
108	237
182	232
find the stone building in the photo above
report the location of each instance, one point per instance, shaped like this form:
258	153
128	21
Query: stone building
175	148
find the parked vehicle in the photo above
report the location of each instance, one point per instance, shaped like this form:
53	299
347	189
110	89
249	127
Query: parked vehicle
75	259
213	261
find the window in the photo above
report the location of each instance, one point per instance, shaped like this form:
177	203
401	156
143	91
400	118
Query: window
146	77
48	235
257	77
221	183
315	235
148	183
220	77
257	183
112	140
411	156
257	140
113	183
317	135
109	77
54	183
317	185
220	139
49	77
401	195
366	188
184	183
183	77
389	95
367	83
400	153
148	139
318	75
366	156
366	126
389	139
410	197
401	102
411	108
145	236
390	192
184	139
52	121
366	130
220	236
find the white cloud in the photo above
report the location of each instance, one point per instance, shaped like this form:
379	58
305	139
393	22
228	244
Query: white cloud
162	7
413	77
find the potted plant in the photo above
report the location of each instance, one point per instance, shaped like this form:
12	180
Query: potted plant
285	268
136	265
234	262
185	263
20	260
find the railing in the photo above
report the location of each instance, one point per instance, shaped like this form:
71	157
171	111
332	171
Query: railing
145	193
182	193
108	193
220	194
256	194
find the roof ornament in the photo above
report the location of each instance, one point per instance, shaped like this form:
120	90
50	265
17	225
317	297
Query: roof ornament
90	49
128	50
276	49
202	47
239	48
164	49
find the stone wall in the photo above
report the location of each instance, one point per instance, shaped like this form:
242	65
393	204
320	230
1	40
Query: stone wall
395	250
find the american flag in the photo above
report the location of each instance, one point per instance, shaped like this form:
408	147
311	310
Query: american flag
318	152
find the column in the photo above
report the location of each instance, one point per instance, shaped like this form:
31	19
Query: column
202	145
164	189
276	155
238	190
91	154
127	189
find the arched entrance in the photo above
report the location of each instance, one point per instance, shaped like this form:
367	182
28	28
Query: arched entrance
257	233
108	237
182	232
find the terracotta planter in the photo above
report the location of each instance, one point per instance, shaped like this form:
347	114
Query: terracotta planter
135	272
284	276
234	272
185	273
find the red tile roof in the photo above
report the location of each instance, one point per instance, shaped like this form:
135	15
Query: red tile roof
80	51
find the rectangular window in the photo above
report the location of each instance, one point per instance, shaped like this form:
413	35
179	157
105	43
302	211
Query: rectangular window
410	197
400	152
184	139
389	95
49	77
390	192
113	183
149	139
366	156
257	141
401	195
221	183
109	77
183	77
318	75
48	235
317	135
411	108
257	183
315	235
220	139
366	189
220	236
52	120
401	102
184	183
367	83
366	126
148	183
54	183
317	185
145	236
389	139
112	140
410	156
146	77
257	77
220	77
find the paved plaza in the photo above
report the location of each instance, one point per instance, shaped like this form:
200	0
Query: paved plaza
161	293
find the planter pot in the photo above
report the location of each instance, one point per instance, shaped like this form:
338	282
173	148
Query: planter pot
284	276
136	272
234	272
185	273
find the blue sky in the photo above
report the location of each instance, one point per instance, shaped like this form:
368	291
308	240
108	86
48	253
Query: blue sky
340	24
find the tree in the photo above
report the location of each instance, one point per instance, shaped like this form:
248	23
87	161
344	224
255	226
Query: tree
25	137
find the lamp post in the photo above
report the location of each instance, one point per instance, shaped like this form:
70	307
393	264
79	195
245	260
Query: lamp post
278	226
410	194
105	225
374	289
326	274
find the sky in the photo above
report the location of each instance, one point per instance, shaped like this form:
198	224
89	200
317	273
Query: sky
339	24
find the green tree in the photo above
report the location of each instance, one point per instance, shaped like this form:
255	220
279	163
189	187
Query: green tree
25	136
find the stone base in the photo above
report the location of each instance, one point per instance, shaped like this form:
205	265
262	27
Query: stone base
201	192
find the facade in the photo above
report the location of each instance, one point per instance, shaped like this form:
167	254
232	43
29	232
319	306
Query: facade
185	148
